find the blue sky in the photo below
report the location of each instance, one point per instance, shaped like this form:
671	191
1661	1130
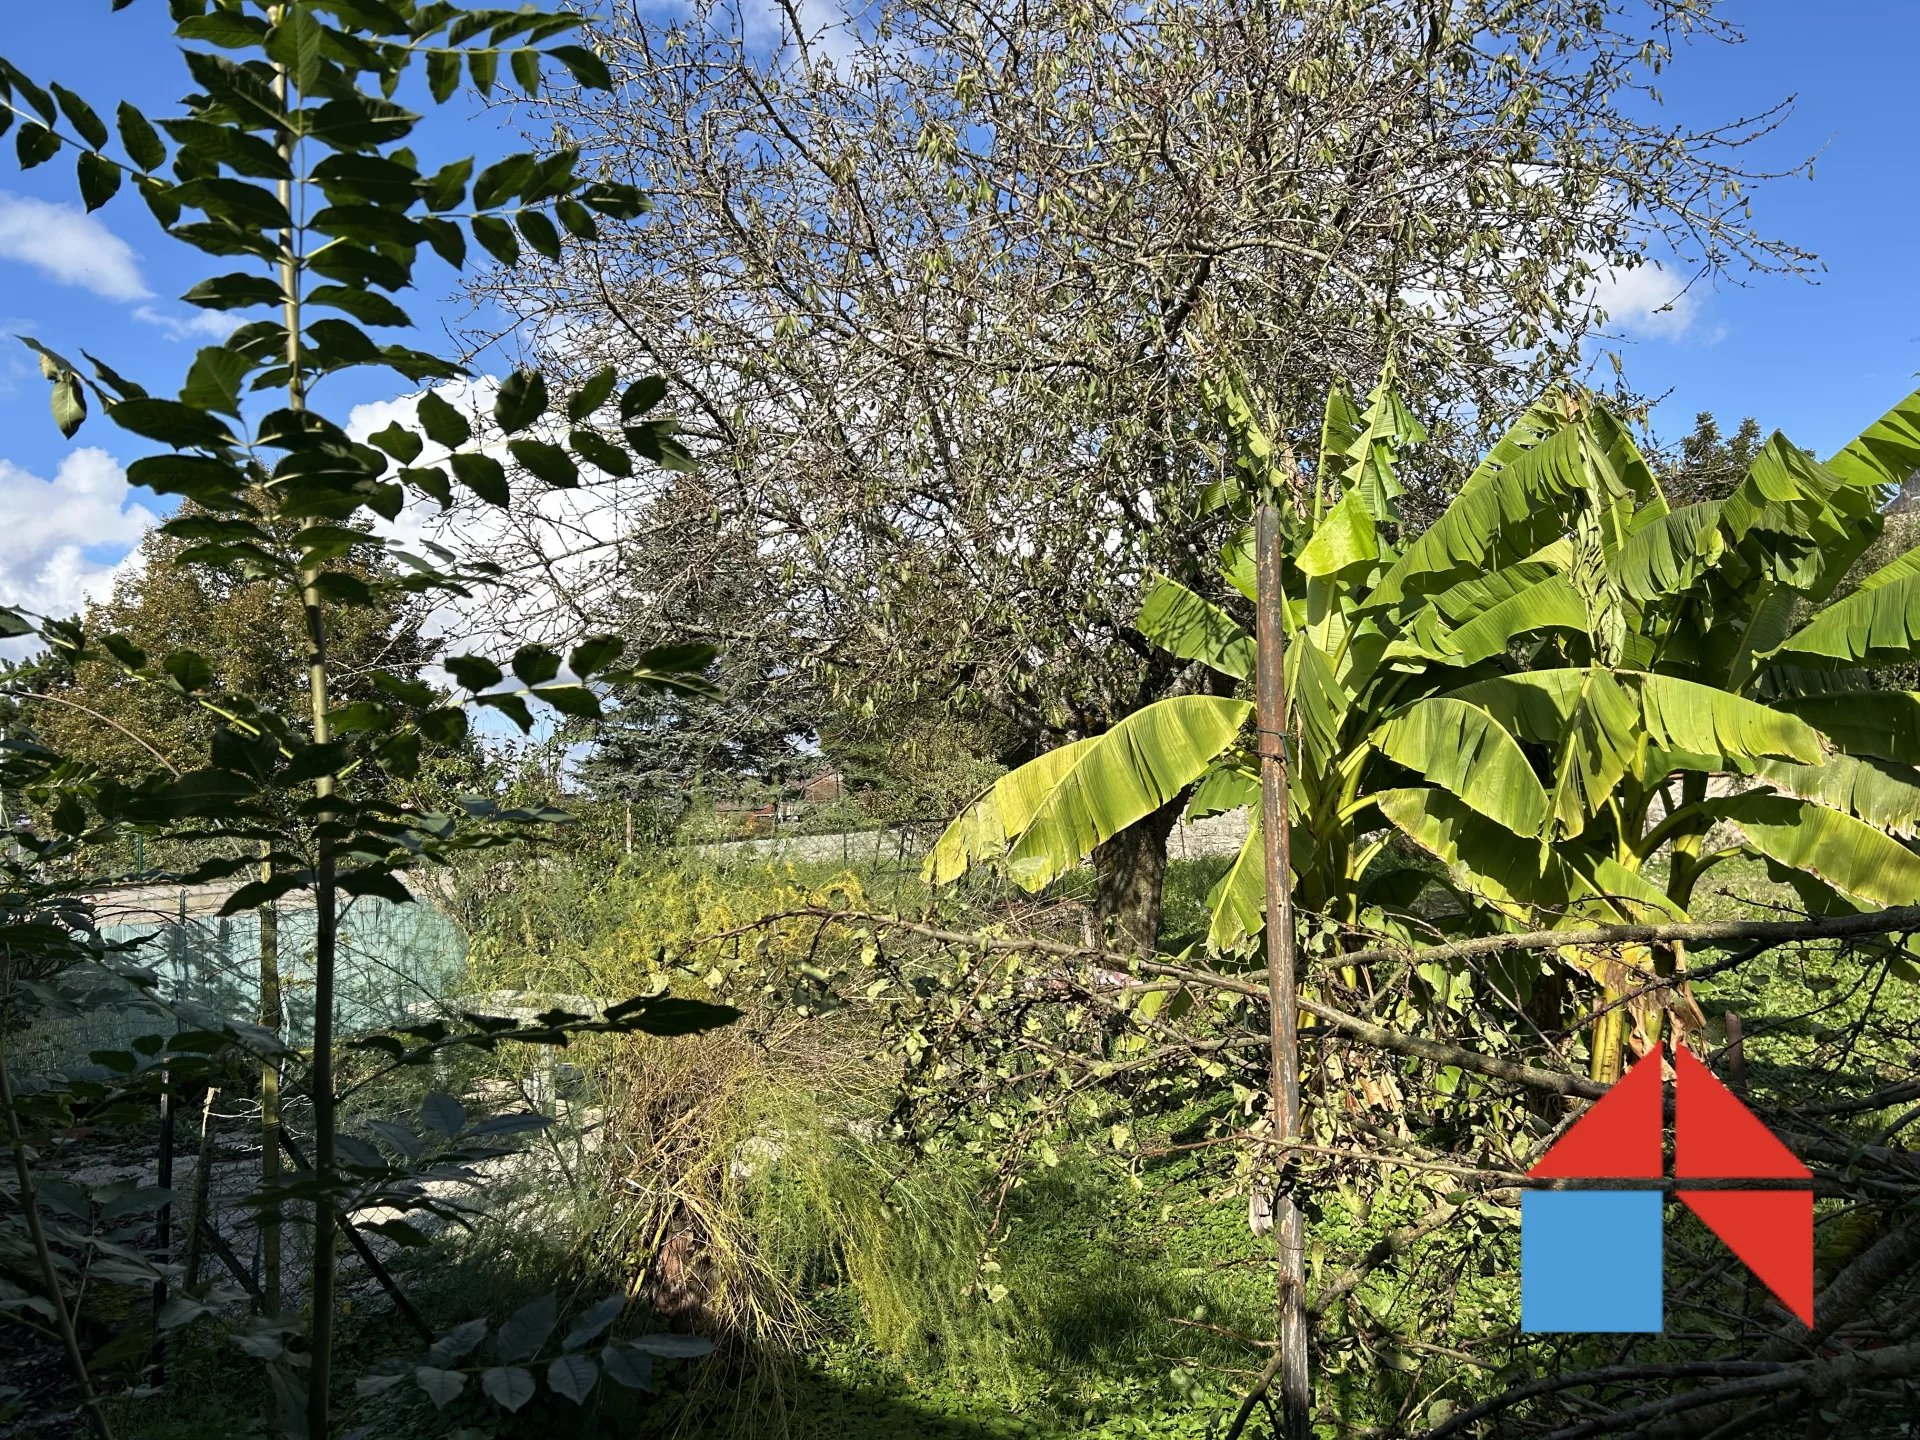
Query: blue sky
109	284
1816	360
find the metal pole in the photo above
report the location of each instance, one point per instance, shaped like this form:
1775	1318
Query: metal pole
163	1224
1289	1231
201	1181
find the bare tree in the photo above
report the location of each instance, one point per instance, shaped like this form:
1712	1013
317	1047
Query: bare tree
936	287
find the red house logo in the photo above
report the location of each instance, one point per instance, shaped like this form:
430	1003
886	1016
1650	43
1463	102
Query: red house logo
1596	1210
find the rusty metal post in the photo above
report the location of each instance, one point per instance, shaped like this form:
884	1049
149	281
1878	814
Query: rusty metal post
1290	1358
1736	1056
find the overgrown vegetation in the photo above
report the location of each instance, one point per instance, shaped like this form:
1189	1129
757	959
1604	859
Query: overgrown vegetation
1546	758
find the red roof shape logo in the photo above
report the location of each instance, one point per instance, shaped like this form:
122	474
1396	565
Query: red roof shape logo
1716	1137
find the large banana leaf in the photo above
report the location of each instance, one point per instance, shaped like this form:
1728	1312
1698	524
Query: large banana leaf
1787	492
1667	555
1529	884
1120	777
1887	452
1346	537
1729	730
1873	626
984	829
1489	611
1540	419
1621	473
1797	521
1626	892
1548	604
1223	788
1501	514
1595	720
1846	853
1379	643
1316	703
1595	752
1585	717
1460	604
1883	793
1463	749
1720	730
1236	563
1181	622
1238	901
1882	723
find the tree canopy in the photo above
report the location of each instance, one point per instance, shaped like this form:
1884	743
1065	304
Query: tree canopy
936	290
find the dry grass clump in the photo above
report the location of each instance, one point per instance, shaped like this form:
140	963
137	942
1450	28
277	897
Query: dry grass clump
751	1171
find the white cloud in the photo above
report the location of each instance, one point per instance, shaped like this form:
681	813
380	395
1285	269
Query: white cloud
69	246
199	325
66	538
1647	302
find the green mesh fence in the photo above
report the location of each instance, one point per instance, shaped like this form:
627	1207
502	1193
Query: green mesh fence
395	962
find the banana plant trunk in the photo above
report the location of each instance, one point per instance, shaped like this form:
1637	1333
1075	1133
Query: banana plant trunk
1290	1357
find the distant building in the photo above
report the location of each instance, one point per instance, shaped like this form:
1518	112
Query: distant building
752	817
758	815
823	789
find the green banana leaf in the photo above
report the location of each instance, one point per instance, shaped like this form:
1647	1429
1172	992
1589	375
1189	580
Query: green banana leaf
1846	853
1873	626
1317	705
1463	749
1120	777
1461	604
1223	788
1727	731
985	828
1237	903
1887	452
1529	884
1501	515
1184	624
1346	538
1880	723
1548	604
1669	555
1883	793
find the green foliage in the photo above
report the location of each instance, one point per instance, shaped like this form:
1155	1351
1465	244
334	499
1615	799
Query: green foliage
749	733
1543	656
289	156
581	1353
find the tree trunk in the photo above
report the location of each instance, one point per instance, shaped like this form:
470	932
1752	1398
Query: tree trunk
1132	871
270	1019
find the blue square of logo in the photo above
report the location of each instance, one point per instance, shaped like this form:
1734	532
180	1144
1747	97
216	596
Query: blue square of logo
1590	1260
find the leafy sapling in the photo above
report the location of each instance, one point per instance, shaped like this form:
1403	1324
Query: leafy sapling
288	170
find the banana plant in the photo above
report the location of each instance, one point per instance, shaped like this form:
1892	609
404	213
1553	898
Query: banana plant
1539	690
